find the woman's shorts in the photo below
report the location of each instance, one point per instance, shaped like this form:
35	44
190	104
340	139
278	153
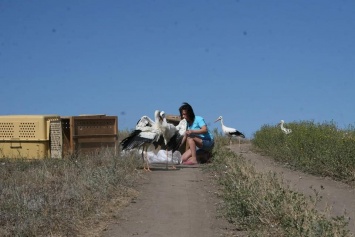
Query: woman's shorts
207	145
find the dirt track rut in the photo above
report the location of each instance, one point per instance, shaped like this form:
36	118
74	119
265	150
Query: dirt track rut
176	203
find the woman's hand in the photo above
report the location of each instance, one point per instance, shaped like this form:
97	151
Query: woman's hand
191	133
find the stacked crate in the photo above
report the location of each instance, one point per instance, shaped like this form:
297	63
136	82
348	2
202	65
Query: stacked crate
25	136
52	136
89	133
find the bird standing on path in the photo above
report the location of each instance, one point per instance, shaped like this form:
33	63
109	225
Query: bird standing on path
285	130
172	135
230	132
147	132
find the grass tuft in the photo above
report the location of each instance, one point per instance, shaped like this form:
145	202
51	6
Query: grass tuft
63	197
262	204
320	149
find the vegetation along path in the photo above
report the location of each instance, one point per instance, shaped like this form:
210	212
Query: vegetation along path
339	197
183	202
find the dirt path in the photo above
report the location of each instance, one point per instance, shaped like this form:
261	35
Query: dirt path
173	203
183	202
336	195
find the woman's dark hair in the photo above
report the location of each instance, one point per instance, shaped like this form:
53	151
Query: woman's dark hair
189	111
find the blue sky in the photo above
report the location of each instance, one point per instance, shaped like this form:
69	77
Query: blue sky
254	62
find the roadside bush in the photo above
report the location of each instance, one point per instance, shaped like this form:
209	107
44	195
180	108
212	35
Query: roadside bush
320	149
263	205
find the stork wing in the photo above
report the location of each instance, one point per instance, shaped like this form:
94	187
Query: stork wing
168	129
129	142
175	141
137	138
237	133
182	127
144	122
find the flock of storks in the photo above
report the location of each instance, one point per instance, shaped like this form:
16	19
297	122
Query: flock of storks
159	132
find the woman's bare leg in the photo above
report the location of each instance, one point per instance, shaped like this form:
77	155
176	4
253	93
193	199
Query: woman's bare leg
194	142
186	155
192	145
190	154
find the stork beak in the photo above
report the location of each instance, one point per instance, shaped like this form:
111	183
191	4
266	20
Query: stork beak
217	120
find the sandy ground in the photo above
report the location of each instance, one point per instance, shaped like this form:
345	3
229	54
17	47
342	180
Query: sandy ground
174	203
183	202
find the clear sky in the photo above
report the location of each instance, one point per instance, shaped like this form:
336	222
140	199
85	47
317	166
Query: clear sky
254	62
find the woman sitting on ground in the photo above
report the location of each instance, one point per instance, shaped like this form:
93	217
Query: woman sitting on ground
196	136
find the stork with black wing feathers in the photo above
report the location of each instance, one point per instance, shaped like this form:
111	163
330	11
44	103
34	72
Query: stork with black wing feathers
230	132
157	133
146	133
172	135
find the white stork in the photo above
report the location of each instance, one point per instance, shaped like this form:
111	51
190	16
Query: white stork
172	135
230	132
147	132
285	130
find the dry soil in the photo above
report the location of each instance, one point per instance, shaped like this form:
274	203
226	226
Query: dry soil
183	202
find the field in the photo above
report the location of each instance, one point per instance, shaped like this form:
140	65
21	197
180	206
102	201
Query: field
66	197
77	195
315	148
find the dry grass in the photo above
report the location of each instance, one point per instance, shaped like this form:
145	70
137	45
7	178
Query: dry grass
64	197
78	195
263	205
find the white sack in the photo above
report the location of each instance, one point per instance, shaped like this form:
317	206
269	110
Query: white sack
158	158
161	157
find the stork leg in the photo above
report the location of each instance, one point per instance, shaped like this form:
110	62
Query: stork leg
172	161
239	144
142	154
145	160
167	158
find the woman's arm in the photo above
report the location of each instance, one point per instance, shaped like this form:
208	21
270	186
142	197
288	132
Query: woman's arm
183	140
202	130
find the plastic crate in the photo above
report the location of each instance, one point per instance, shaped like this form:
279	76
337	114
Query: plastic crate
25	136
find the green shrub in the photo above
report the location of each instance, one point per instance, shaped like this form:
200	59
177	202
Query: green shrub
320	149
